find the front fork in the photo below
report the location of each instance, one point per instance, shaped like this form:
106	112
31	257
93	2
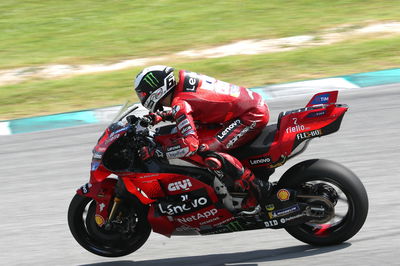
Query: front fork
120	194
116	202
103	193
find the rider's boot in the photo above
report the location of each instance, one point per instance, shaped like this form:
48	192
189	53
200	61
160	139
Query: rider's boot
260	188
239	178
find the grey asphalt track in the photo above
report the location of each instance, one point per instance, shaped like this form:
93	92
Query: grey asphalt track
41	171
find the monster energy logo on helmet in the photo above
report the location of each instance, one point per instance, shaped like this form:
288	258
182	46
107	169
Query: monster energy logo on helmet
152	84
151	80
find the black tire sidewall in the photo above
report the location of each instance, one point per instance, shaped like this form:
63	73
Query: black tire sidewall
347	181
79	232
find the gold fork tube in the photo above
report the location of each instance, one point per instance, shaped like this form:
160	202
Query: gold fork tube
114	208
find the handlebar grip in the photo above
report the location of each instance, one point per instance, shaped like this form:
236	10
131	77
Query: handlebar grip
145	121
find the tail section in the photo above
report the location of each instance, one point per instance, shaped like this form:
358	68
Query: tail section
323	98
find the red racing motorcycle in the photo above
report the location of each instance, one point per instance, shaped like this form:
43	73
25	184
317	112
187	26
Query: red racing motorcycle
319	202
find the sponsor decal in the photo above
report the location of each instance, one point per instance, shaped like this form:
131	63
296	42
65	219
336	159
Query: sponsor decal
288	219
234	226
209	221
309	134
180	185
85	188
283	194
97	155
178	209
101	149
228	130
146	176
111	139
213	231
185	203
235	91
321	99
208	83
283	212
99	220
178	153
170	81
180	118
316	114
200	216
183	124
101	207
175	109
295	129
186	129
271	223
241	134
185	228
174	148
190	132
225	221
191	82
119	131
258	161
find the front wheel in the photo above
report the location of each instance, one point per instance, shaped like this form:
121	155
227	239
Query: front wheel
126	236
349	198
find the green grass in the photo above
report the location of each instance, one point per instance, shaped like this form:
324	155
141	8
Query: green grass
86	31
91	91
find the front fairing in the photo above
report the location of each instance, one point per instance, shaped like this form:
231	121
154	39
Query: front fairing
116	130
110	135
98	171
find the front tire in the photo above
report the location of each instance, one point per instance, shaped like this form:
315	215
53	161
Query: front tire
351	192
107	243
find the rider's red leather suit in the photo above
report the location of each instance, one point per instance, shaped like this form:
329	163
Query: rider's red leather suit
200	100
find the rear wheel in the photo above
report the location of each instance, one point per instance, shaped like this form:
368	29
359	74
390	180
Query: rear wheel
342	188
123	237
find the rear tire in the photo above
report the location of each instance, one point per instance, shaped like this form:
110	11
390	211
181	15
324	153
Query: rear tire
328	172
99	241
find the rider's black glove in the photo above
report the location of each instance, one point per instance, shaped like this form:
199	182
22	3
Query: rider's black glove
157	117
147	153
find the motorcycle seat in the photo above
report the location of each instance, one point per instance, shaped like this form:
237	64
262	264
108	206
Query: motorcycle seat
258	146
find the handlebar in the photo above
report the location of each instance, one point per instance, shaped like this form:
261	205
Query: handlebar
139	124
145	121
142	121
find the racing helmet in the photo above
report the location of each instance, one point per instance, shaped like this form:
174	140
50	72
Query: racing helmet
152	84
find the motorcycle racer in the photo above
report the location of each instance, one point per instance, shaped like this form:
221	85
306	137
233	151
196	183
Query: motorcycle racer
198	101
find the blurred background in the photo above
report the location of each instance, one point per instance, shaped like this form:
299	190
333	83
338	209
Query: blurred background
62	56
45	43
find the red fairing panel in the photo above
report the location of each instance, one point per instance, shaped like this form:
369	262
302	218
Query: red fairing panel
186	202
295	127
98	172
102	193
300	126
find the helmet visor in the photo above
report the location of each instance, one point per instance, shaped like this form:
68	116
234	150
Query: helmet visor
142	96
